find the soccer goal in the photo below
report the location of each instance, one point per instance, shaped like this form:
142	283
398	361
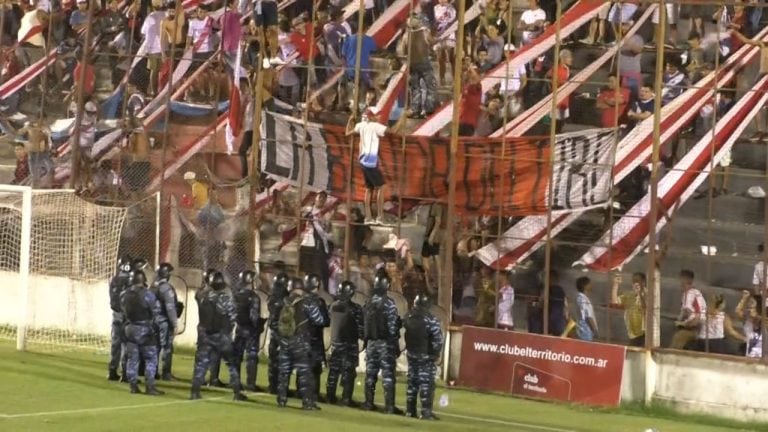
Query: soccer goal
57	252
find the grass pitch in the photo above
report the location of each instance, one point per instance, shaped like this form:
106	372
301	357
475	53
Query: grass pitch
69	392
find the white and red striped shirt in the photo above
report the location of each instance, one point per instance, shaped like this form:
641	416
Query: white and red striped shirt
693	301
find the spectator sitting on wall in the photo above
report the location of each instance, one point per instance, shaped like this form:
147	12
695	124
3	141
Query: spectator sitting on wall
692	311
633	303
716	326
750	314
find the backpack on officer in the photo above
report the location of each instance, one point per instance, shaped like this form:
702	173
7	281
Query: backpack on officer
287	325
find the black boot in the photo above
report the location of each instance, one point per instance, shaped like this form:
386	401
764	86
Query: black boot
347	390
282	400
428	415
368	404
135	389
250	378
239	397
410	408
167	376
113	376
153	391
195	395
389	406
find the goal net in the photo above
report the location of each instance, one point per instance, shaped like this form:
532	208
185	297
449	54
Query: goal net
57	252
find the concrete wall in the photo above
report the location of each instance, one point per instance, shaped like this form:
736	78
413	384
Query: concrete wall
633	376
723	386
715	385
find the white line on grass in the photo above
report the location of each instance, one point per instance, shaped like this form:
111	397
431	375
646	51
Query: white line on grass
113	408
179	402
504	422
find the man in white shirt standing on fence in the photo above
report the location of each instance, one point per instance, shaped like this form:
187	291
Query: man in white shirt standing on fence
370	130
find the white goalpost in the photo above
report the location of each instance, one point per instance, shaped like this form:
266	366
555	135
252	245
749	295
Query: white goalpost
57	252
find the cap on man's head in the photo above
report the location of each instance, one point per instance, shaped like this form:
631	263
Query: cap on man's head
189	175
510	47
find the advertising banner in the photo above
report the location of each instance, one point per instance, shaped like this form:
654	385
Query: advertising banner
542	367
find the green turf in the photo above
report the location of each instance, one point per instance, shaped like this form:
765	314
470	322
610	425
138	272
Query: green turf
69	392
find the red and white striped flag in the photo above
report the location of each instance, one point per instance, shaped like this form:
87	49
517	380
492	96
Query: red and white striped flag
528	234
235	117
630	234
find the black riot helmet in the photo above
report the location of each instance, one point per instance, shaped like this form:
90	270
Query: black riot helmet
346	290
208	276
382	283
139	264
217	281
421	302
246	277
312	282
124	264
138	278
281	284
164	271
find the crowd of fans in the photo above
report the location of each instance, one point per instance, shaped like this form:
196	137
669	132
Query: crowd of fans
278	42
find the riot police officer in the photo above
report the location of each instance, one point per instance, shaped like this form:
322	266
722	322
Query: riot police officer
382	335
275	304
215	363
217	318
346	330
119	283
423	343
249	327
141	310
169	314
312	286
297	316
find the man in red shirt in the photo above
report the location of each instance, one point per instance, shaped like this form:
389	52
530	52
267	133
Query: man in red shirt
88	84
563	74
612	103
471	99
301	38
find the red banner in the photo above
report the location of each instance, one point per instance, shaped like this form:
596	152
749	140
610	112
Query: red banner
541	366
511	175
